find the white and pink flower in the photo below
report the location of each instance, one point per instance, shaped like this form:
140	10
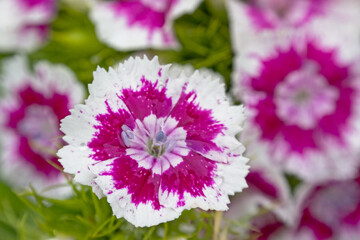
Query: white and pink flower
139	24
155	142
326	211
330	210
266	205
24	23
302	93
258	18
31	109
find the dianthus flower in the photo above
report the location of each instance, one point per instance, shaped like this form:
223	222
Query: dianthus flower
24	23
155	142
302	94
31	109
135	24
324	211
266	204
330	210
260	17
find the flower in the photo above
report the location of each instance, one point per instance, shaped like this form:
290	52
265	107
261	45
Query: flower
155	142
262	17
322	211
24	23
134	24
31	109
329	210
302	93
266	205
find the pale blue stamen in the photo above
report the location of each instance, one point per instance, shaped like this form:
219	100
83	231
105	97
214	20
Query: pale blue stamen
156	146
160	137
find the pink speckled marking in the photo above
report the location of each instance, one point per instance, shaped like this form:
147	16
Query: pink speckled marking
192	175
149	100
201	128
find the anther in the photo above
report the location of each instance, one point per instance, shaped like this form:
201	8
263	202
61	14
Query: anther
160	137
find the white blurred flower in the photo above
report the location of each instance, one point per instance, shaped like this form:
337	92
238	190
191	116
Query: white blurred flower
24	23
31	109
139	24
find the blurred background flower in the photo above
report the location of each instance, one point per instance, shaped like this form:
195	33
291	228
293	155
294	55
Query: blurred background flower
139	24
31	109
302	94
24	24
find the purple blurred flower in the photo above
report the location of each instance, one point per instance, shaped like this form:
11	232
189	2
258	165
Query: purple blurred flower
155	142
329	210
266	205
302	93
31	109
134	24
24	23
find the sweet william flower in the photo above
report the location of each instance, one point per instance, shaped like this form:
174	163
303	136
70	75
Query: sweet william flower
31	107
266	204
139	24
302	93
323	211
330	210
155	142
254	18
24	23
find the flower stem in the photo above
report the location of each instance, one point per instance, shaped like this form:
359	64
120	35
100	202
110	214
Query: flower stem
217	223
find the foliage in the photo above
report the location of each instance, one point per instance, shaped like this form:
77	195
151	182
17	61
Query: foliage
85	216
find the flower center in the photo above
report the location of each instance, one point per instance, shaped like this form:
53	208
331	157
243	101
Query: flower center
156	147
304	97
155	143
40	125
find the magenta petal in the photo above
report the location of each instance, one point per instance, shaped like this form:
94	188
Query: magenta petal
107	142
192	176
142	185
147	100
256	179
320	230
276	69
200	126
140	14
